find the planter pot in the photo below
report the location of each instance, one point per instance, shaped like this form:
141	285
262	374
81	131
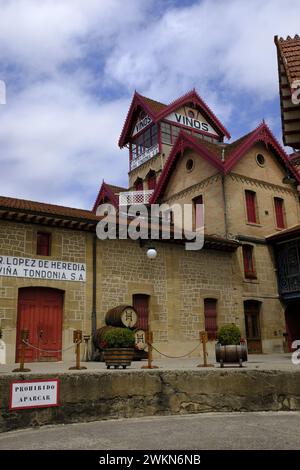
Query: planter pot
118	357
231	354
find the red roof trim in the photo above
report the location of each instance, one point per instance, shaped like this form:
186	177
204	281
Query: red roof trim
183	141
136	101
195	98
105	191
192	95
261	133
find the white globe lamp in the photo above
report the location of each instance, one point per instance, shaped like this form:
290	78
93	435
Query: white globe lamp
151	253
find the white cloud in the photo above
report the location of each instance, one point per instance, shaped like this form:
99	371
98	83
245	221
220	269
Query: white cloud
71	67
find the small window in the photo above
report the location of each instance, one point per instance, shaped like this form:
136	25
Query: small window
260	159
279	212
43	245
251	206
139	185
210	316
198	212
189	165
249	268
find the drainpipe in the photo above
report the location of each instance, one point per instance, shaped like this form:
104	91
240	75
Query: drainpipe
225	205
94	299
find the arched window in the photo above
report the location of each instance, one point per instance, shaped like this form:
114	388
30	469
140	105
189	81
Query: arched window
210	316
151	178
139	185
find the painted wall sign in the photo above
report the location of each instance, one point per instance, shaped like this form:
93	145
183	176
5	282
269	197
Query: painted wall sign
34	394
12	266
192	122
141	124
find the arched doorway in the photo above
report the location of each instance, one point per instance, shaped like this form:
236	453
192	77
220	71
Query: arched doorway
252	324
40	310
292	321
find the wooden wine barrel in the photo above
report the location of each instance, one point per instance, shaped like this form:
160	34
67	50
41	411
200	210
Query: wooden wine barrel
140	339
118	357
122	315
231	354
99	335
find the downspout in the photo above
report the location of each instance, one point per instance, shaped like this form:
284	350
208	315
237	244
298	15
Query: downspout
94	298
224	198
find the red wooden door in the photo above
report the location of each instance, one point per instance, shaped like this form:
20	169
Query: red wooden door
210	316
141	305
40	311
252	323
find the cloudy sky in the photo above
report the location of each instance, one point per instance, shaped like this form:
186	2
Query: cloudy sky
71	67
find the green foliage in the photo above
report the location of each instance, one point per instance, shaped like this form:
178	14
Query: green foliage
229	334
118	338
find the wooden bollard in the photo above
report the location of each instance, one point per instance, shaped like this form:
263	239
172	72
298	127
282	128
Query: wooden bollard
23	339
77	339
150	351
203	339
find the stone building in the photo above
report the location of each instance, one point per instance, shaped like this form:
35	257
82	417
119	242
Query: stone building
56	275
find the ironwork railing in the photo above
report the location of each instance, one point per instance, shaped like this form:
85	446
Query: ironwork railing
135	197
144	157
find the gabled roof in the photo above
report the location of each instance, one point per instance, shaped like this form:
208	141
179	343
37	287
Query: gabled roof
289	51
288	56
157	111
223	156
110	192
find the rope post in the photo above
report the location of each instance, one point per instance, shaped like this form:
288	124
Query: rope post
149	340
23	340
203	339
77	339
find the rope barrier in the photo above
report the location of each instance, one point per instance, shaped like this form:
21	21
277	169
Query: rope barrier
50	350
175	357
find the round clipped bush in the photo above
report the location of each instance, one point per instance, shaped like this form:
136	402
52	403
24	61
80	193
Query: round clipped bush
229	334
118	338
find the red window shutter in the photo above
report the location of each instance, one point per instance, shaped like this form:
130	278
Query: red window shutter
251	206
248	261
198	212
152	182
279	212
43	244
210	314
139	185
141	305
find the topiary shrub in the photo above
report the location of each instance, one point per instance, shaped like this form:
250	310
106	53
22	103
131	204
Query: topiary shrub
118	338
229	334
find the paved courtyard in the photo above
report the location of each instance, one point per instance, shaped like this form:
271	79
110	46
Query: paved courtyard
255	361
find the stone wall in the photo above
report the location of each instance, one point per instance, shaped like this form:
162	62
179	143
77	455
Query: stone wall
126	394
20	240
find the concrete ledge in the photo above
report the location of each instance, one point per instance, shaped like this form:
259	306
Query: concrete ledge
88	396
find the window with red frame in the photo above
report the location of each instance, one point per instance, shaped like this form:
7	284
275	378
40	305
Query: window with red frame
139	185
198	212
249	268
144	141
169	133
152	180
43	244
279	212
251	206
210	316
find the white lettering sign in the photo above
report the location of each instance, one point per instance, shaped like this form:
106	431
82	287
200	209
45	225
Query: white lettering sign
34	394
142	124
12	266
191	122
